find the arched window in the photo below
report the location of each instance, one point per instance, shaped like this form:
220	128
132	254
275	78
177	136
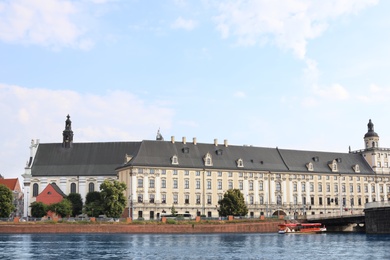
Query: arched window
91	187
35	189
73	188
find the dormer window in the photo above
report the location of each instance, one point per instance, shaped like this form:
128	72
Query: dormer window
208	161
240	163
186	150
356	168
309	166
174	160
333	166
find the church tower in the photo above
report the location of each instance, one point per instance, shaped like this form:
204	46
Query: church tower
377	157
371	138
67	134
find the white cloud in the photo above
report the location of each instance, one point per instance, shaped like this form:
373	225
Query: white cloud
375	94
186	24
49	23
40	113
289	24
240	94
334	92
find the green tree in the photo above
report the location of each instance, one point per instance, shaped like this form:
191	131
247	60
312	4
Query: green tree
6	202
77	203
38	209
114	200
173	211
93	204
63	208
232	204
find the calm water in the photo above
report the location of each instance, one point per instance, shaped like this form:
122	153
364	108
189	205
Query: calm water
214	246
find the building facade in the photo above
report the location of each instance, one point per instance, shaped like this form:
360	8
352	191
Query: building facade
192	177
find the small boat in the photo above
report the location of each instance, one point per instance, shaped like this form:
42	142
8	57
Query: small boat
301	228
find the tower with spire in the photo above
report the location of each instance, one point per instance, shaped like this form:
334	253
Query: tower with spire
377	157
67	134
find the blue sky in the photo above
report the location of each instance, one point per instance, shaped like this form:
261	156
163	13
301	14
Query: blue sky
293	74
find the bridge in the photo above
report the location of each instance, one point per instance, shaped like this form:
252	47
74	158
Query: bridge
346	221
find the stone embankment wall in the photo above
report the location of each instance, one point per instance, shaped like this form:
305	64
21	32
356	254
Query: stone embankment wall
377	220
25	228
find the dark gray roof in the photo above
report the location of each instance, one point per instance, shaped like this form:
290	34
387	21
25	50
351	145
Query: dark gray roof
296	161
159	154
87	159
102	159
57	189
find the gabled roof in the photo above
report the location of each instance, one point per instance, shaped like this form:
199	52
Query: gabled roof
57	189
12	184
87	159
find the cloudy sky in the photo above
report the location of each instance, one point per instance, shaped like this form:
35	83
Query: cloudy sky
293	74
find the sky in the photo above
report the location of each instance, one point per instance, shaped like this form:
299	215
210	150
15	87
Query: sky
292	74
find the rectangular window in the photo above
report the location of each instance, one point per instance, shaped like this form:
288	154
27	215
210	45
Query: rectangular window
140	183
230	185
327	187
151	183
163	171
197	199
261	200
350	187
295	188
186	199
174	172
251	185
186	172
311	187
175	183
197	173
151	171
303	187
260	186
209	199
230	174
209	184
240	185
366	188
163	183
336	188
219	174
163	198
343	188
151	198
320	200
208	173
312	200
197	184
358	188
251	199
219	185
140	198
319	187
175	199
328	201
186	184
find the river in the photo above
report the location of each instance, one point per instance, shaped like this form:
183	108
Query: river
197	246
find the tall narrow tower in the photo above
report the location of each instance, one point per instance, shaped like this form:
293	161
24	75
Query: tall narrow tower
371	138
67	134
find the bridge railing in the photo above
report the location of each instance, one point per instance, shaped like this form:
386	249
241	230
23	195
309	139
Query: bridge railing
377	204
336	214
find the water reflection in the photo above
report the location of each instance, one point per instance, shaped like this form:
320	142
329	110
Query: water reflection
188	246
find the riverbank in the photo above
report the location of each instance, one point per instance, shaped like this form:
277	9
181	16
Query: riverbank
196	228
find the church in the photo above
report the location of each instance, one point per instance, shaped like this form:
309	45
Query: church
193	176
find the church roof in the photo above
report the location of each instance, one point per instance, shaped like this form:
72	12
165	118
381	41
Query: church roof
87	159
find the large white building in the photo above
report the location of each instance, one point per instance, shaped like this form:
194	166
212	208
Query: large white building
193	176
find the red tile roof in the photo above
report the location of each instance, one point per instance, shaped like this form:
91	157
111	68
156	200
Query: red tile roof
12	184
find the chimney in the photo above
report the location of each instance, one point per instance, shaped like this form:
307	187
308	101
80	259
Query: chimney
225	142
184	140
216	142
194	140
173	139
